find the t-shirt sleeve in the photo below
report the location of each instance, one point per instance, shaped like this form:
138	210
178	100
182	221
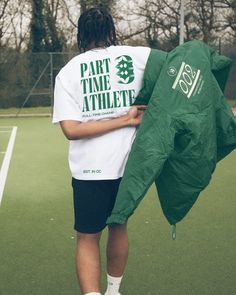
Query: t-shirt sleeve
65	106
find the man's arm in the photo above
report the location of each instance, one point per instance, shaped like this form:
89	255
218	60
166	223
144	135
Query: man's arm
74	130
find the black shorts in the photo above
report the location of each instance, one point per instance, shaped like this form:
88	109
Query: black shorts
93	203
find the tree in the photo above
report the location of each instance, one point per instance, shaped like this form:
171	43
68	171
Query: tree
45	34
3	9
14	19
207	20
86	4
231	17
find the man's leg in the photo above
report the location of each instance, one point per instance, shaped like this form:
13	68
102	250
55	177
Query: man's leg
117	249
117	255
88	262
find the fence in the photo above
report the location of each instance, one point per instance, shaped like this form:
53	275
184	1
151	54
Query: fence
27	79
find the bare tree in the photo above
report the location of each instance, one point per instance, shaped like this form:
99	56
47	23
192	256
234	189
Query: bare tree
14	19
85	4
3	9
207	20
231	16
160	21
155	23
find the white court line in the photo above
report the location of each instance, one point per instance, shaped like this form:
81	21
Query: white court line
6	161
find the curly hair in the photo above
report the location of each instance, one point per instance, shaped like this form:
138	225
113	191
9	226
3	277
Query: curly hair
95	25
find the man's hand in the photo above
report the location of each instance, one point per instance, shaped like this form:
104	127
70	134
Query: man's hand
135	114
234	111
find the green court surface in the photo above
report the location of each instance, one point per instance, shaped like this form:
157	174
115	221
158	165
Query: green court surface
37	240
4	137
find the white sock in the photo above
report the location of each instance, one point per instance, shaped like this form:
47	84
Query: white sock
113	285
93	293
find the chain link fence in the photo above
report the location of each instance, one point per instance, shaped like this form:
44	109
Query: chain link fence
27	79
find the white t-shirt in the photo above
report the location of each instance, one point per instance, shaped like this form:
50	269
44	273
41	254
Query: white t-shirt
100	84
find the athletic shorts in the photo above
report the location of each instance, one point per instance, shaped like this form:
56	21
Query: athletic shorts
93	203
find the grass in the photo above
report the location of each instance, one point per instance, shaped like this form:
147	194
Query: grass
47	110
38	242
33	110
4	137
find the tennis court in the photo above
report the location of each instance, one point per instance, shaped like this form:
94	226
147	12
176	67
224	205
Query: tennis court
37	238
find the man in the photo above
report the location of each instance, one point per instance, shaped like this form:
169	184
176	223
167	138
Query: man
93	95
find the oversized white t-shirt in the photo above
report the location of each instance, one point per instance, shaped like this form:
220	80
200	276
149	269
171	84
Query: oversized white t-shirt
100	84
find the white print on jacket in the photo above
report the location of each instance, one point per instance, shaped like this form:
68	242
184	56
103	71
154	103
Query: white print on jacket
188	80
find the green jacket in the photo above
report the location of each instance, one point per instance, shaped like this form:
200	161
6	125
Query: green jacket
187	127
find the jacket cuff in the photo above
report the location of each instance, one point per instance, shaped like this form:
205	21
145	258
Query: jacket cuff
116	219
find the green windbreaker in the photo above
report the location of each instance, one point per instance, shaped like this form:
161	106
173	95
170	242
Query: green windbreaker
187	127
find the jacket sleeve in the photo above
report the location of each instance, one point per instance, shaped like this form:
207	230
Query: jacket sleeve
225	120
220	67
226	129
148	155
152	71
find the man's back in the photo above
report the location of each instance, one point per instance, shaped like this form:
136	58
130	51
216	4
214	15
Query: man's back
100	84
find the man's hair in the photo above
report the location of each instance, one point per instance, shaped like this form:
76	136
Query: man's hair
95	25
